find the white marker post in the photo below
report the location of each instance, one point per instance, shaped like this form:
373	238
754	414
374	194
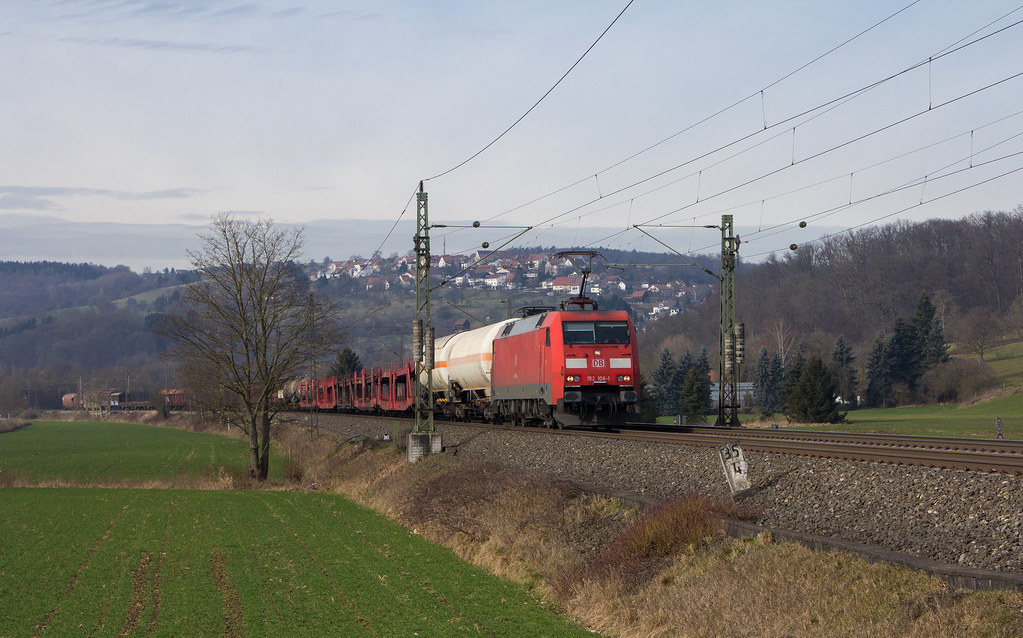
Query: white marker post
736	468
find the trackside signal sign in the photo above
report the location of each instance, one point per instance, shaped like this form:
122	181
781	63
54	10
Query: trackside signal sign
736	469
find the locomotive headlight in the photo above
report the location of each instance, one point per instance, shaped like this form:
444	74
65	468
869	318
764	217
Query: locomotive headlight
623	378
572	378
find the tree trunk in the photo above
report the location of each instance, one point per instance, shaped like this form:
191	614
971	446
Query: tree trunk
253	450
264	452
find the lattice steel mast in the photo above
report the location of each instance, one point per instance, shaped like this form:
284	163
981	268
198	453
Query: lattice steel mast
732	339
422	329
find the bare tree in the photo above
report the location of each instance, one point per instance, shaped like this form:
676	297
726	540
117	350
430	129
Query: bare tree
785	338
978	331
249	325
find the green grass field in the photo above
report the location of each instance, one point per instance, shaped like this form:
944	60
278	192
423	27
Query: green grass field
111	453
175	562
972	421
977	420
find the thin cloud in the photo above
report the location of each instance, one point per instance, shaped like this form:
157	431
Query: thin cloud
239	10
41	197
10	201
289	12
160	45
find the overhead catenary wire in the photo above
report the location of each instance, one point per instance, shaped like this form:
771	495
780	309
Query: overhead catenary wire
704	199
934	176
849	174
713	115
903	210
810	113
687	128
952	49
859	138
537	103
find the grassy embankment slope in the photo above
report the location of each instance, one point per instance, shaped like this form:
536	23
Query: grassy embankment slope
122	561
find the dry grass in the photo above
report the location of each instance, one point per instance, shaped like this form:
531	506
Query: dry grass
760	588
667	572
10	425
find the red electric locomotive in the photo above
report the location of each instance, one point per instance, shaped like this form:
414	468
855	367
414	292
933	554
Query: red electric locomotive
552	367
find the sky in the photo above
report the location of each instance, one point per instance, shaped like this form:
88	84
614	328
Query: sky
838	114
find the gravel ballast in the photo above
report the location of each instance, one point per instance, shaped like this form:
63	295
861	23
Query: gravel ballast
968	518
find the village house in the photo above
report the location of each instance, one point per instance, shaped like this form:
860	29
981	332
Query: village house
534	261
496	278
568	285
377	283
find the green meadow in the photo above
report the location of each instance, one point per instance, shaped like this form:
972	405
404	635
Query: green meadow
976	420
111	453
973	420
112	561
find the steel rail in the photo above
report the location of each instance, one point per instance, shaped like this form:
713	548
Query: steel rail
979	455
983	455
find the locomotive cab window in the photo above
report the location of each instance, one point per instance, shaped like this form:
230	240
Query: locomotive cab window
596	332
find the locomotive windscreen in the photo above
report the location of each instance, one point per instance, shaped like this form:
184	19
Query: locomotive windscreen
592	332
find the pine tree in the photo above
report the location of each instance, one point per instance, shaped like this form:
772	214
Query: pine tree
775	398
346	362
929	335
879	377
789	387
685	362
702	363
904	355
812	399
696	395
761	380
665	388
844	374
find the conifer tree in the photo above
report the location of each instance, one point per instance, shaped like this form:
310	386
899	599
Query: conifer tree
792	374
696	395
345	363
930	337
761	380
844	373
904	355
775	397
812	398
879	378
665	391
685	362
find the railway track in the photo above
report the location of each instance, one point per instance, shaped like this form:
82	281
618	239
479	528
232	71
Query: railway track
979	455
982	455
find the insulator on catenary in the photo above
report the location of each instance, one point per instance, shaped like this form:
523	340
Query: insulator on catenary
428	349
417	340
740	342
729	355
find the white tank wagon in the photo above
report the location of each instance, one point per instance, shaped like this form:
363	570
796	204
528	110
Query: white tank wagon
462	361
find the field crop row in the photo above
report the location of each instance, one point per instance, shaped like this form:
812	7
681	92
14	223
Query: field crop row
106	559
110	453
106	562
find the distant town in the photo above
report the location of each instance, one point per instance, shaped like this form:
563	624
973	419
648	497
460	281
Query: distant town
649	297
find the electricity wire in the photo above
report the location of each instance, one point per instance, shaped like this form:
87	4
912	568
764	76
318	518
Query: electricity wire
807	113
712	115
530	110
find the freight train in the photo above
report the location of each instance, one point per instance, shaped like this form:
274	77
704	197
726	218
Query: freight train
551	367
173	399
